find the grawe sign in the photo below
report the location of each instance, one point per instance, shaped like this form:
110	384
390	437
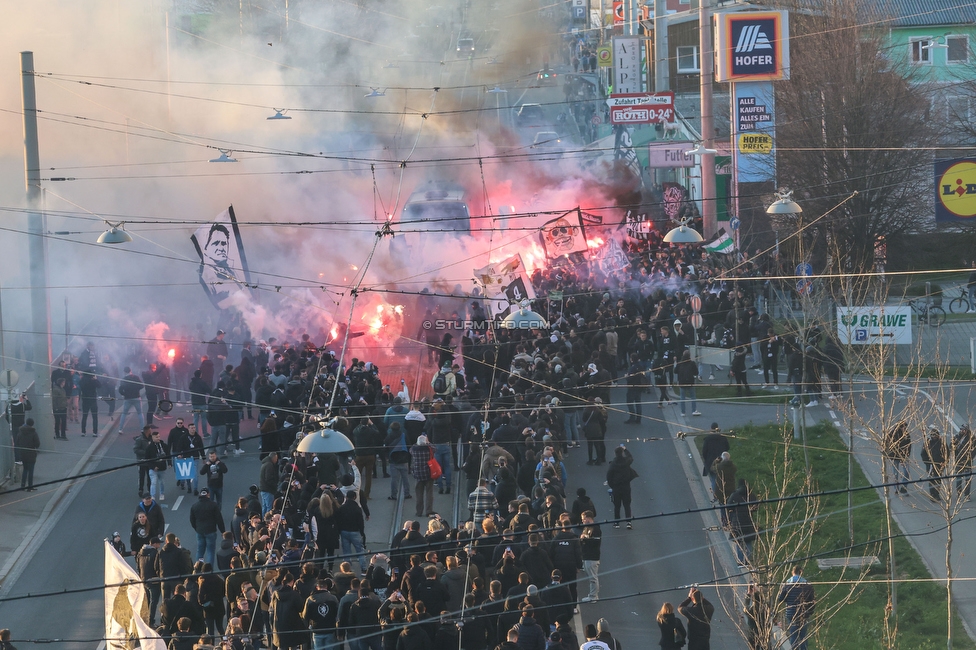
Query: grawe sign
872	325
641	108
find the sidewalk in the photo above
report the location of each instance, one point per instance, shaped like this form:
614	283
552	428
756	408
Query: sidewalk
914	514
29	516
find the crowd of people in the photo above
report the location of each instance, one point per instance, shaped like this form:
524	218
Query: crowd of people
290	568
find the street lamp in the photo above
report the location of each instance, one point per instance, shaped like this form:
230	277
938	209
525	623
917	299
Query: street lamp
325	441
224	156
115	234
683	234
525	319
784	204
279	115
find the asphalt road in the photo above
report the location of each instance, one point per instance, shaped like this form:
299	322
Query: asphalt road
662	555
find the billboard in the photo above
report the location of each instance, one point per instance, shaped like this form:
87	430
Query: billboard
754	125
955	189
626	64
753	46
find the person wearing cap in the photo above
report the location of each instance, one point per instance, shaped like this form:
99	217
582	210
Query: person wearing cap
154	514
420	455
217	349
206	520
119	545
558	597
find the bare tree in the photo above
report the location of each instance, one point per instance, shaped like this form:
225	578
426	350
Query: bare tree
849	119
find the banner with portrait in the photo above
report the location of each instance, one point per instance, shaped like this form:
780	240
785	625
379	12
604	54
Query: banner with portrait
223	265
563	235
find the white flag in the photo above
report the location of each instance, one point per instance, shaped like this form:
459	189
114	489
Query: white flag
126	607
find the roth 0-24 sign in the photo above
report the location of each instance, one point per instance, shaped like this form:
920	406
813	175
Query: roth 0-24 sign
641	108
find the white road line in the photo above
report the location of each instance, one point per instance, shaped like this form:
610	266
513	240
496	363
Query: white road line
179	500
833	416
165	529
101	645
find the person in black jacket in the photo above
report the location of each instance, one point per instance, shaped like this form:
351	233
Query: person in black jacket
619	475
146	564
158	459
206	520
16	416
319	614
896	447
199	393
742	526
673	633
285	612
530	635
699	612
171	565
88	387
351	522
176	607
712	447
637	383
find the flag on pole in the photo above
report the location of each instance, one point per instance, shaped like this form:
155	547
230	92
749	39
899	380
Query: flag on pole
506	278
126	607
721	244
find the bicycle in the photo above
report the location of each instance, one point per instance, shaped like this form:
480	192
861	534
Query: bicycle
927	314
961	305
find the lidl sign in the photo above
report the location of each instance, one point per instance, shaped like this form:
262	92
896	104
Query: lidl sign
753	46
955	189
873	325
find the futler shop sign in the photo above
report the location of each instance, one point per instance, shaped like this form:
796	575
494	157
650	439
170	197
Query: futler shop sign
641	108
753	46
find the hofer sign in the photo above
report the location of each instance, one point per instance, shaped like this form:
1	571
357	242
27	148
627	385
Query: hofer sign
871	325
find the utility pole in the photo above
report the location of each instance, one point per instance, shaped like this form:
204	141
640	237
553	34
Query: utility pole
37	250
706	65
662	68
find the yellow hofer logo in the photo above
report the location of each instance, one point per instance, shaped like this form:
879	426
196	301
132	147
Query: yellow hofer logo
957	189
755	143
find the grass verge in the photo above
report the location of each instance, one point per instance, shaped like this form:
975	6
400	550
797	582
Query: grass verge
858	625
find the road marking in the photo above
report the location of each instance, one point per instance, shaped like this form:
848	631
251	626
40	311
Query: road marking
101	645
165	529
833	416
179	500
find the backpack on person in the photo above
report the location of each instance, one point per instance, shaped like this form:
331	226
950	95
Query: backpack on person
440	383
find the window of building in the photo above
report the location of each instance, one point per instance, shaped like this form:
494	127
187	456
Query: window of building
687	59
958	51
921	49
958	108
